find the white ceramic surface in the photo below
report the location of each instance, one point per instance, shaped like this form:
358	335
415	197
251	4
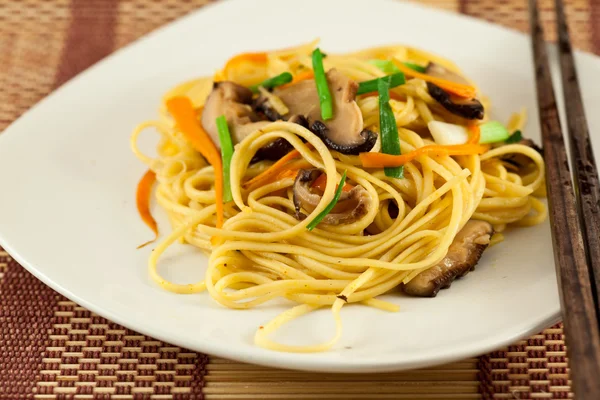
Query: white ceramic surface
69	216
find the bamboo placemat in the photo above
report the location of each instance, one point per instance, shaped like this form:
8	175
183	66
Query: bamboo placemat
50	348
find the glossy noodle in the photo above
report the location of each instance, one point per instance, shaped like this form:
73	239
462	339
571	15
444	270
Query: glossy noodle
401	227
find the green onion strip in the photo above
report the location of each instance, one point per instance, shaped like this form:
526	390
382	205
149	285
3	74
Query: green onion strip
327	210
516	137
322	87
281	79
371	86
386	66
415	67
492	132
226	154
390	141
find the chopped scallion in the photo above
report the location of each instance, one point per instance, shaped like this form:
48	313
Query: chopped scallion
281	79
416	67
446	134
386	66
322	87
492	132
226	154
371	86
390	141
327	210
516	137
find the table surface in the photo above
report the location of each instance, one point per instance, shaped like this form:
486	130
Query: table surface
51	348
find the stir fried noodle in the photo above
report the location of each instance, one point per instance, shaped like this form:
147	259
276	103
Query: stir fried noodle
302	176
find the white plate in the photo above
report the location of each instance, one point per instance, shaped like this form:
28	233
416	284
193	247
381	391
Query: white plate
69	216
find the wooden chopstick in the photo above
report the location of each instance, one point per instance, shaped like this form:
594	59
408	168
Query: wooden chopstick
585	173
577	291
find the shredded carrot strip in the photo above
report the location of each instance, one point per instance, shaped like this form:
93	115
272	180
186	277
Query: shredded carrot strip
293	167
304	76
290	170
272	171
321	182
299	78
288	173
475	134
458	89
380	160
142	199
182	110
257	58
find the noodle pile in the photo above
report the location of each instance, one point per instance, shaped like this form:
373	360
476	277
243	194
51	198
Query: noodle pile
264	252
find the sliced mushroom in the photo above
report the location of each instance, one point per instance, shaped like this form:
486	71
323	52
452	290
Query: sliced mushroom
344	132
438	71
368	140
301	98
351	206
271	103
299	119
279	147
273	151
233	101
519	160
466	108
262	105
393	209
463	254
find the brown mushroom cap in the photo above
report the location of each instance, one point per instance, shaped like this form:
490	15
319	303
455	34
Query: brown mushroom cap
466	108
274	150
351	206
464	253
344	132
279	147
262	105
232	101
322	131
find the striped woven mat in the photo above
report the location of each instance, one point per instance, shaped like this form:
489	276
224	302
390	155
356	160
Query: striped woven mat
51	348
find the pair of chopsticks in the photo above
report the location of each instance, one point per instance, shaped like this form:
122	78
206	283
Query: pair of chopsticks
574	209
